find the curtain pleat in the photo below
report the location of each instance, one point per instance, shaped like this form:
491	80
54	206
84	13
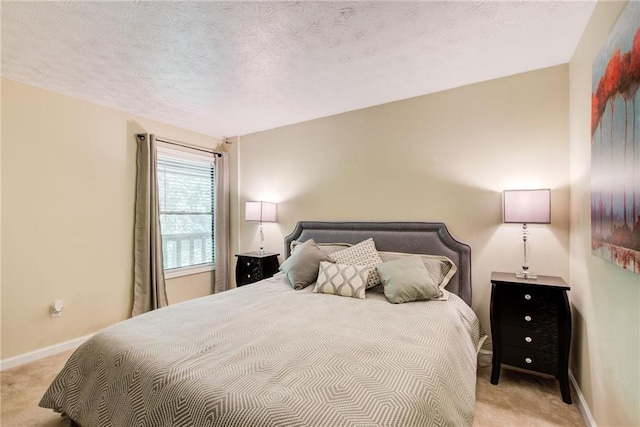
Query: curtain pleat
222	224
149	285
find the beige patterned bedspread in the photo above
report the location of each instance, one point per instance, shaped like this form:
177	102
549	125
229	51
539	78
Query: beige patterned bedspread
266	355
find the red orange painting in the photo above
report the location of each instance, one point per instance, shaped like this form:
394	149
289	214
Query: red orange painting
615	145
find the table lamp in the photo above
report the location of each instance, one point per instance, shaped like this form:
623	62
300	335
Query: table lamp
526	207
260	211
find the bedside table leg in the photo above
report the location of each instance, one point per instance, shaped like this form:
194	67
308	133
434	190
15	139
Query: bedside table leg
495	333
564	329
564	388
495	371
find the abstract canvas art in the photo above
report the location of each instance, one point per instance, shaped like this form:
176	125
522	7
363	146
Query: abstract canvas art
615	145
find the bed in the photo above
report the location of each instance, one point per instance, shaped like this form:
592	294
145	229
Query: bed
268	355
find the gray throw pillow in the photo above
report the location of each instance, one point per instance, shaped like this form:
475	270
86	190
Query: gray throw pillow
301	268
407	279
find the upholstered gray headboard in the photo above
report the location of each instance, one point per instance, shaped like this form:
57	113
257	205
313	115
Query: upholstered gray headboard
430	238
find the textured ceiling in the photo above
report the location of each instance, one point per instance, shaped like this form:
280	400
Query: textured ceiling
232	68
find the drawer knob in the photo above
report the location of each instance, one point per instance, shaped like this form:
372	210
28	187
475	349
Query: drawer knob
527	318
527	297
528	360
528	339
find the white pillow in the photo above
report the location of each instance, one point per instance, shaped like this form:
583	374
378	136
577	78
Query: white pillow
365	254
342	279
327	248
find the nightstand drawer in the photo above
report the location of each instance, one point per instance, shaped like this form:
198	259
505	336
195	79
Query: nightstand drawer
527	298
544	339
539	361
538	318
528	294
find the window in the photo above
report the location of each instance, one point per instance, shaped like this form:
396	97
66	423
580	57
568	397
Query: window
186	187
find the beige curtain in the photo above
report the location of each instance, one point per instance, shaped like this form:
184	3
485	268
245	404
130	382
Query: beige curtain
222	225
149	290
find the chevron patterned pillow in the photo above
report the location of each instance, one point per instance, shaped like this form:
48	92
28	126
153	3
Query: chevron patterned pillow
364	254
342	279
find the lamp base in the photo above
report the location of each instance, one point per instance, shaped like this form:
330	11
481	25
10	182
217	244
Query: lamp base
261	240
526	275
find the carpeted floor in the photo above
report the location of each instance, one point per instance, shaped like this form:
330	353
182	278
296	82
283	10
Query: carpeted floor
520	399
23	386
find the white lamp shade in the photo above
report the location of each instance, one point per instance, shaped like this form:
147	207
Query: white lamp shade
260	211
527	206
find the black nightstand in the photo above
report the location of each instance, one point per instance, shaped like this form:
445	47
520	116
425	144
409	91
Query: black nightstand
531	326
254	266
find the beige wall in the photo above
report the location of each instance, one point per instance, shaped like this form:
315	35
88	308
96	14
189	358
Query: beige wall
606	298
68	170
441	157
184	288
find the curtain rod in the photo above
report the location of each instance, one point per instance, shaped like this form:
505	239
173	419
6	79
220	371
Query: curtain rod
192	147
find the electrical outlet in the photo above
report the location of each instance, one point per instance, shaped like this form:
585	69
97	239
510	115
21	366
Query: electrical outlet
55	309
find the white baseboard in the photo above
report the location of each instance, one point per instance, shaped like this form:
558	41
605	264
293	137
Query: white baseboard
582	403
12	362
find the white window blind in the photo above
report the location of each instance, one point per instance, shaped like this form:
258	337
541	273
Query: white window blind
186	186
